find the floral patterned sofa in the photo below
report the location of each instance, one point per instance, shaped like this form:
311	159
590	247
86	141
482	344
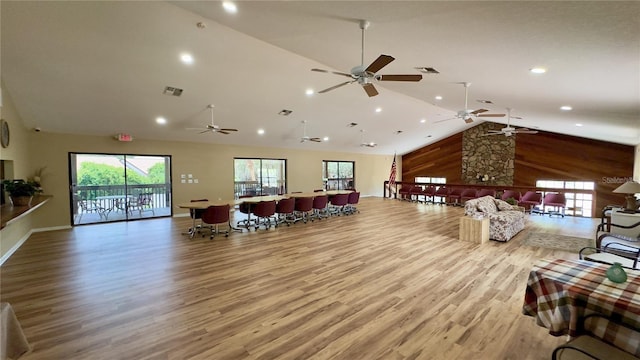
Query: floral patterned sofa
505	220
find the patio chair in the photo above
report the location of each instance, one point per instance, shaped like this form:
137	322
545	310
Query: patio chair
144	202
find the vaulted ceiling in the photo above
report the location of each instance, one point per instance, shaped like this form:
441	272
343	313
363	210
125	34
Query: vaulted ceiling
101	68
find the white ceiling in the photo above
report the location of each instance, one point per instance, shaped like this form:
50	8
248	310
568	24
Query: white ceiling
99	68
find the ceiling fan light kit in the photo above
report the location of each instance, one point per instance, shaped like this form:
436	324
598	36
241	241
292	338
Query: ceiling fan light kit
366	76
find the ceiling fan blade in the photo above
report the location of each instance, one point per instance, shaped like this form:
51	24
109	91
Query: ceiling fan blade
516	117
228	130
333	72
204	131
495	131
370	89
476	112
492	115
400	77
490	134
468	120
315	139
443	120
379	63
522	131
222	132
335	87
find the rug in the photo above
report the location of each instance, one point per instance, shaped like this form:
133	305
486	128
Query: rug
558	242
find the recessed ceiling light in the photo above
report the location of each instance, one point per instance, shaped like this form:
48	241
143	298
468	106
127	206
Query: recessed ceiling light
326	138
422	121
160	120
378	110
578	125
186	58
538	70
438	97
309	92
230	7
566	108
260	131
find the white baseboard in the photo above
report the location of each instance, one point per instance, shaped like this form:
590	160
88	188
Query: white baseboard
15	247
53	228
182	215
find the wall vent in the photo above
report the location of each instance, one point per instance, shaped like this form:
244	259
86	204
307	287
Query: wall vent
427	70
170	90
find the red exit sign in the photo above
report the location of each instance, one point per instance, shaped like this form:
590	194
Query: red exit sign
124	137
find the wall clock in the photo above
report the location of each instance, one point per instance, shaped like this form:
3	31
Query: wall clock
4	137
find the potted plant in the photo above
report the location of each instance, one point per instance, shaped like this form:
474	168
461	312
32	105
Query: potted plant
21	192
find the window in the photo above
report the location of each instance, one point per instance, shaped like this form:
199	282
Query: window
338	175
259	177
578	195
430	180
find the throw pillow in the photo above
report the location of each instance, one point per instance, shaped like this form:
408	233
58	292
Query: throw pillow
486	205
503	205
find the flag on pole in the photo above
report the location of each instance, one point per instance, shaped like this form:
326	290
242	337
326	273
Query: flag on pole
392	175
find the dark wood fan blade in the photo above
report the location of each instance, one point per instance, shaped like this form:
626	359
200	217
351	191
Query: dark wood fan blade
228	130
370	89
333	72
315	139
400	77
526	131
468	120
492	115
516	117
476	112
490	134
439	121
334	87
379	63
222	132
202	132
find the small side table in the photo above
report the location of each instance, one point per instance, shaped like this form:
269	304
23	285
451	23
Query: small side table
474	230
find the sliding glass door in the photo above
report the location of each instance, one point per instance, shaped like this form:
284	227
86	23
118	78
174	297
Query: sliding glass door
253	177
116	187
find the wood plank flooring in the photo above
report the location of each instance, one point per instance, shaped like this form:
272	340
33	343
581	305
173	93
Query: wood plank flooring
392	282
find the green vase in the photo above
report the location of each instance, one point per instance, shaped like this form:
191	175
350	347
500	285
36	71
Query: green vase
616	273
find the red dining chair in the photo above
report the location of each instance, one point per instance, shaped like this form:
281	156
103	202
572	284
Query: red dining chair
453	198
338	203
284	209
468	194
530	200
510	194
442	193
214	216
303	208
319	207
352	200
405	192
428	193
557	201
485	192
264	211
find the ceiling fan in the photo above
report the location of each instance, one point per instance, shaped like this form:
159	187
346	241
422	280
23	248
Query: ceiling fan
213	127
467	114
364	143
306	138
366	76
509	131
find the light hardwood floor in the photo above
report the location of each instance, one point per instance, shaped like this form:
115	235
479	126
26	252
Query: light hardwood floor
392	282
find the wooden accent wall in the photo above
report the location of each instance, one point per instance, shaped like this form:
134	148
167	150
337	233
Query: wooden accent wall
440	159
542	156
